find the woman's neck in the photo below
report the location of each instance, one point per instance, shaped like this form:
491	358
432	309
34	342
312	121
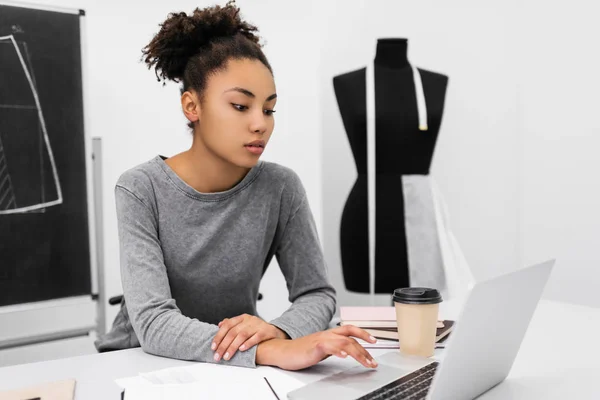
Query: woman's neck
392	53
205	171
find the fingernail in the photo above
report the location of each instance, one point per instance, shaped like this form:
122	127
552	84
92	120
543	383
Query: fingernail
374	362
243	347
368	361
213	346
217	357
344	354
226	356
372	339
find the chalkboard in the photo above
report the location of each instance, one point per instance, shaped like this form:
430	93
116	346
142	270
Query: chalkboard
44	225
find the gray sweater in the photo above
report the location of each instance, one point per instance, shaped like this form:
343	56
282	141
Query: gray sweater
191	259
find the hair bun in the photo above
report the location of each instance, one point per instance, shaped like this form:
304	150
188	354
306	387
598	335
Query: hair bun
182	36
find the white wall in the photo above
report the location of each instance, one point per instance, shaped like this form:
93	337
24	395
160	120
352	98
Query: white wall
475	163
559	103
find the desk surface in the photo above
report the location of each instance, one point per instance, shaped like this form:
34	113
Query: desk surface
557	360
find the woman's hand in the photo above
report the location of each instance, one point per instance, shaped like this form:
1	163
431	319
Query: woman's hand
311	349
242	332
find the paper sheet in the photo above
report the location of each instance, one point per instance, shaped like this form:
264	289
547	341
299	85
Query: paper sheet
202	380
380	344
242	388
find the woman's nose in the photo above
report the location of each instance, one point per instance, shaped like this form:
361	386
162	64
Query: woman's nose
259	124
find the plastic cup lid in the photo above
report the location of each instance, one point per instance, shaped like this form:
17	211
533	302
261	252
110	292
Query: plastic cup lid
417	295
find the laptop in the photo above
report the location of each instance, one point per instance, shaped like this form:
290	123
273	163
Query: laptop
479	354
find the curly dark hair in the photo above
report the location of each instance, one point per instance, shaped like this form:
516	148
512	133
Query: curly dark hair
188	48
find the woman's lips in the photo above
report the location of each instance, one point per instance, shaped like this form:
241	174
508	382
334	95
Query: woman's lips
254	149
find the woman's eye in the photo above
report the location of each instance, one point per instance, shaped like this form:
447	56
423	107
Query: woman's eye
239	107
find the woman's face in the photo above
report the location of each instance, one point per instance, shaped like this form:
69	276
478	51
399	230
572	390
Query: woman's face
236	110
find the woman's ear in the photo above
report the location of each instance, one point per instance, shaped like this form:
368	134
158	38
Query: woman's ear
191	106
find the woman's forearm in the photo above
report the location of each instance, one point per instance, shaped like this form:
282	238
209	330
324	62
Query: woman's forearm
270	351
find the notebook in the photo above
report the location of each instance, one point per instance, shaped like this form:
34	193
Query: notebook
368	317
58	390
443	330
368	313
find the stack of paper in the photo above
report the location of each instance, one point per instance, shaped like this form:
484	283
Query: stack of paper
380	322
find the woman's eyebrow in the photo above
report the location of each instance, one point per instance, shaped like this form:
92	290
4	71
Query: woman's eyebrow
249	93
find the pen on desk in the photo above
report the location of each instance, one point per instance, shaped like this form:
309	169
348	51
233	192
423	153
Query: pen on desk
271	387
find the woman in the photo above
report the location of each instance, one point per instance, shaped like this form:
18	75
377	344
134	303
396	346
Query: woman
197	230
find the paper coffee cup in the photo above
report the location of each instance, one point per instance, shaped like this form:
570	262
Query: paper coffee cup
417	315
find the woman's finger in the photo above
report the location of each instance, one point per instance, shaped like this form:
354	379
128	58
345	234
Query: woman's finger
224	329
364	353
343	349
228	340
350	341
235	345
348	348
357	352
354	331
252	341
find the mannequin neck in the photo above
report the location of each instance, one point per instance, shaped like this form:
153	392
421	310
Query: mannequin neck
392	53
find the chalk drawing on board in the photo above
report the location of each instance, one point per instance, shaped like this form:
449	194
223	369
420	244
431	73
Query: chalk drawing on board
22	118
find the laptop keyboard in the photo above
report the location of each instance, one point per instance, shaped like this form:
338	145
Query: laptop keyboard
413	386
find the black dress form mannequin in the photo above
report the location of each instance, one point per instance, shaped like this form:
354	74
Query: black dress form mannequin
401	149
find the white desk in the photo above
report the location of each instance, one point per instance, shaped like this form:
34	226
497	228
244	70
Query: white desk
559	359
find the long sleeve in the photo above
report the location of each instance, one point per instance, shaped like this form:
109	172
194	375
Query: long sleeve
157	321
301	260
